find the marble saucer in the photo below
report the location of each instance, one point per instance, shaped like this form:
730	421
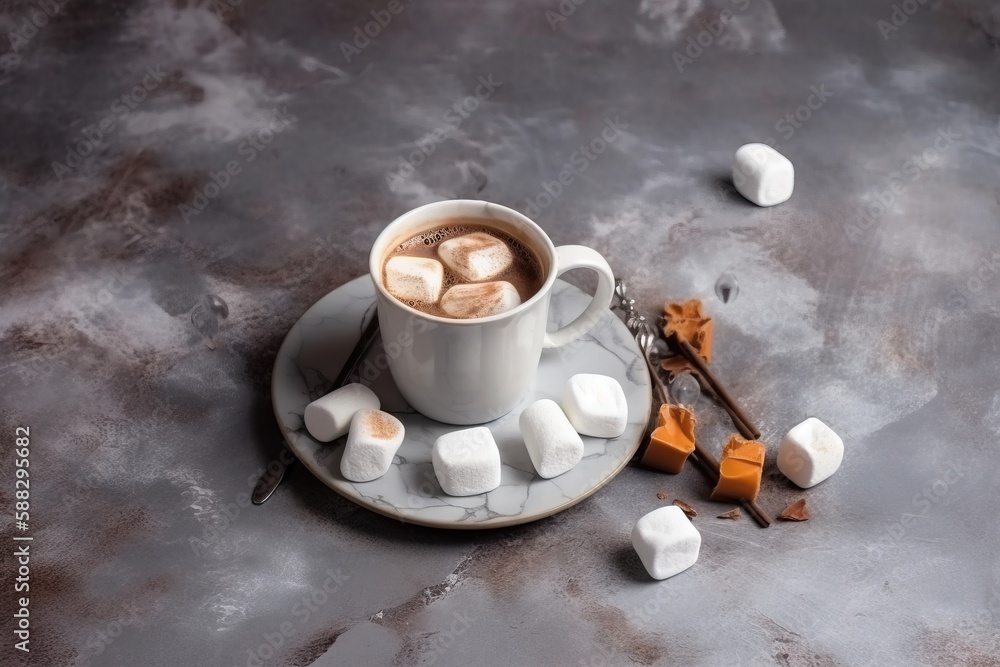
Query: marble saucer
317	346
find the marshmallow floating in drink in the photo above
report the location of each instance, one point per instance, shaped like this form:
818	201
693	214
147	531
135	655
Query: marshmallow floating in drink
476	257
374	439
763	175
466	462
414	278
329	417
595	405
480	299
666	541
810	453
552	443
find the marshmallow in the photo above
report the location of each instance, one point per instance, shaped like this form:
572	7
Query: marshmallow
329	417
595	405
552	443
466	462
414	278
810	453
374	439
666	541
476	257
763	175
480	299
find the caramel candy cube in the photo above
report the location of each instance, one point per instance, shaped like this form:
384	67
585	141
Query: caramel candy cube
740	470
750	451
738	480
664	415
672	441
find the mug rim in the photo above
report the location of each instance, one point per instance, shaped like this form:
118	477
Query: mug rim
375	262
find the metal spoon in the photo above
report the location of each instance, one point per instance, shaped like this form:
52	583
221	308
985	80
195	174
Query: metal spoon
268	482
646	336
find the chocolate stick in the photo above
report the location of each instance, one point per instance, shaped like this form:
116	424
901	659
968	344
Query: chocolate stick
707	388
707	460
743	424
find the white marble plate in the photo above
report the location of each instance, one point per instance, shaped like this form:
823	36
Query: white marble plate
318	345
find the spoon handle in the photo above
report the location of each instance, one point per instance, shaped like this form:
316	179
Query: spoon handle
269	482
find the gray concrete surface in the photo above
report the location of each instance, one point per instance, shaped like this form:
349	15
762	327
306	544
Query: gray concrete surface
869	300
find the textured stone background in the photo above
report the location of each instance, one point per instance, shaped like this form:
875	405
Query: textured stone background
868	300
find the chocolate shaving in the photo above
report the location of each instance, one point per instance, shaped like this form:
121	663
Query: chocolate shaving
687	509
733	514
662	495
797	511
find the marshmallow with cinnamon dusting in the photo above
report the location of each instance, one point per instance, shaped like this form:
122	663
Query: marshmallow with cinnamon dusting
476	257
374	439
480	299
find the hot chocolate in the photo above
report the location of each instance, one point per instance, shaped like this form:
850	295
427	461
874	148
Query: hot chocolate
462	268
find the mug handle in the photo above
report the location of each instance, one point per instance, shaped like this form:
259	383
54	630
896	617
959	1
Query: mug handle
581	257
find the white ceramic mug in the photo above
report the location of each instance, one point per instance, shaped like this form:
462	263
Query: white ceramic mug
477	370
